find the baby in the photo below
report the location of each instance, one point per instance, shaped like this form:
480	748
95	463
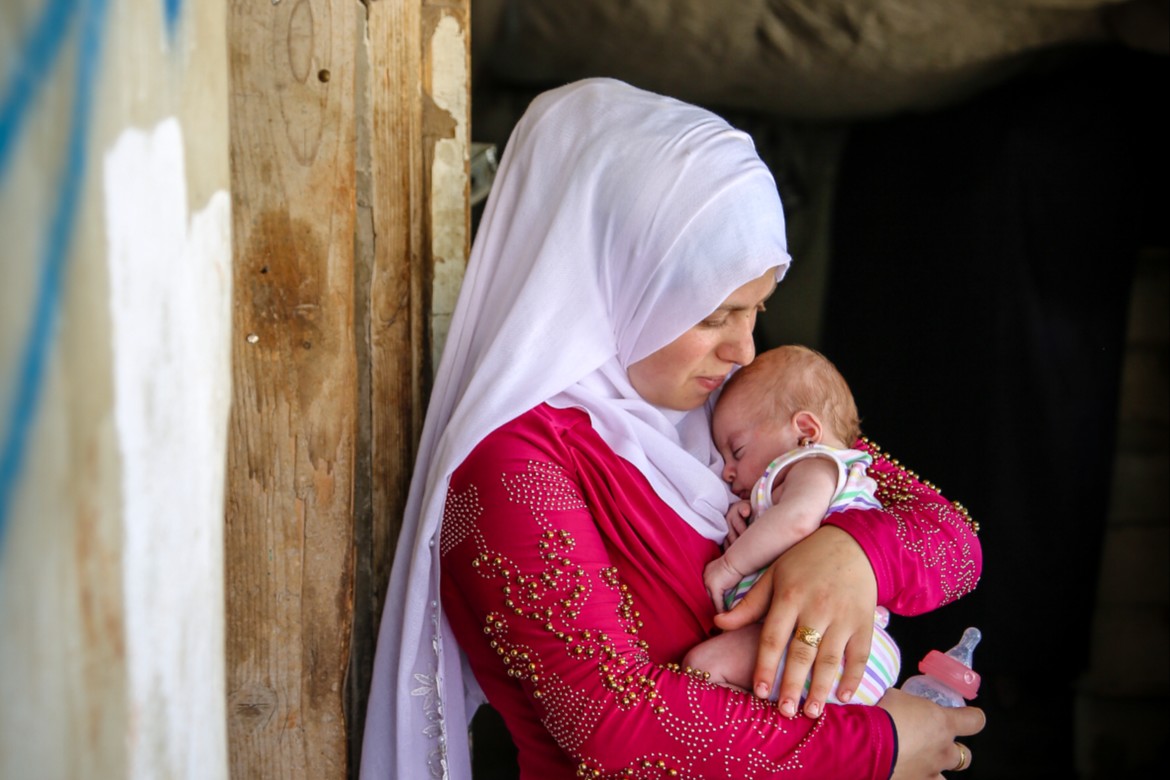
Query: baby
784	424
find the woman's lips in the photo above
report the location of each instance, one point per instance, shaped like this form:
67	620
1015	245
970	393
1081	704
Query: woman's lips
710	384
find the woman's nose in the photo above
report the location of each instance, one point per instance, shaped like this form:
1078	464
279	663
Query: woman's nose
741	349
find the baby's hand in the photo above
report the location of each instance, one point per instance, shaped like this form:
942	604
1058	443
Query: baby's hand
719	577
737	517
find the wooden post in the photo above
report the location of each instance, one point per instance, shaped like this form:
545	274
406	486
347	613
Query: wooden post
417	133
293	430
349	176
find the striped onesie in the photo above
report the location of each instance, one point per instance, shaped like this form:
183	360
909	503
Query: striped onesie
855	490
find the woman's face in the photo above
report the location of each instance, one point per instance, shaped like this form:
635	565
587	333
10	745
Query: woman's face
684	373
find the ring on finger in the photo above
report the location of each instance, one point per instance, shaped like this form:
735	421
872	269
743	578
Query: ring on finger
964	758
810	636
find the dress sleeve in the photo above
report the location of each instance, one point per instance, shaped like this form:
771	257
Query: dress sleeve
924	549
534	592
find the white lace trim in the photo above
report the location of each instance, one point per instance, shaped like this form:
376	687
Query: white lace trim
429	686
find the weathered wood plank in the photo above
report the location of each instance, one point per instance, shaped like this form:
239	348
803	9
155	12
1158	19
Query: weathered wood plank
418	93
399	369
289	563
389	317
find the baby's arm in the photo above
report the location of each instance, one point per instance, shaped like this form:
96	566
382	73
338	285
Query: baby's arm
803	497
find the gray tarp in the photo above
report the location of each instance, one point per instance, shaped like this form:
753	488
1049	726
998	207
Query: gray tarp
817	59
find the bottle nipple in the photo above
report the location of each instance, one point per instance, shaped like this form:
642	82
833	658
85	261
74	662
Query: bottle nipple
947	678
954	667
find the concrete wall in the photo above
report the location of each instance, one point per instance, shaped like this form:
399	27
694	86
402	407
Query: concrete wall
115	284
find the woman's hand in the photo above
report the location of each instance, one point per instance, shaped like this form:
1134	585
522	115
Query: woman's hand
824	583
927	734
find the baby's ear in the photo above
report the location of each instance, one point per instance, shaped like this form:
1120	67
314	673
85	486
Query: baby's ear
808	426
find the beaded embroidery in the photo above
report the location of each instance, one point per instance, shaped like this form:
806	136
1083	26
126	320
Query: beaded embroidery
554	597
897	493
560	596
903	479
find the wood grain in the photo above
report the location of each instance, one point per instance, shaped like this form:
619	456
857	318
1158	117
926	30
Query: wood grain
411	227
292	440
337	229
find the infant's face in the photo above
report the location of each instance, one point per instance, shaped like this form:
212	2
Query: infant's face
748	442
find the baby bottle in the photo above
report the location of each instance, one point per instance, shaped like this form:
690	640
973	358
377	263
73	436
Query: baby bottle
947	679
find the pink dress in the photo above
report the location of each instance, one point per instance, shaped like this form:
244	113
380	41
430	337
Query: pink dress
574	591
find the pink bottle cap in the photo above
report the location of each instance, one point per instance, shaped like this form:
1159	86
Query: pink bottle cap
941	666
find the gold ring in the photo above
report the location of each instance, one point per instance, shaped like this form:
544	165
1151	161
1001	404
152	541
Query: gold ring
963	758
810	636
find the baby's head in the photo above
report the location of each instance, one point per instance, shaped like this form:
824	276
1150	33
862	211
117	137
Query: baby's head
786	396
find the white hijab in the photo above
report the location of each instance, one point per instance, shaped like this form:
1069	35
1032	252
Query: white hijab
618	220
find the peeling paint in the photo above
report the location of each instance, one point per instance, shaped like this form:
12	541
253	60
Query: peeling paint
449	185
170	313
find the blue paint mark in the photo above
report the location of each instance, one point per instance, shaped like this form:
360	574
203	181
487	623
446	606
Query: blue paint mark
32	66
43	48
172	9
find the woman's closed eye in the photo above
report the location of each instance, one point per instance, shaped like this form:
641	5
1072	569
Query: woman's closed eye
723	316
714	322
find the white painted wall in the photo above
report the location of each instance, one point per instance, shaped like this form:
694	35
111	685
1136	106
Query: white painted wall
115	378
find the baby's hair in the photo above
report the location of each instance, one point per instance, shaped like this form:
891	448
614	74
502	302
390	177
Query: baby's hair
792	378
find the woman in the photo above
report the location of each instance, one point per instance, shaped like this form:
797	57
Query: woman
627	246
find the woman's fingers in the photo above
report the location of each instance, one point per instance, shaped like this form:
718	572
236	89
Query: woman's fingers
774	634
856	659
967	721
838	657
805	648
825	623
929	736
964	761
775	637
751	608
829	587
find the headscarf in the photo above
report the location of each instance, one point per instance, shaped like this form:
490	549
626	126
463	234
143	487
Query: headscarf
618	220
